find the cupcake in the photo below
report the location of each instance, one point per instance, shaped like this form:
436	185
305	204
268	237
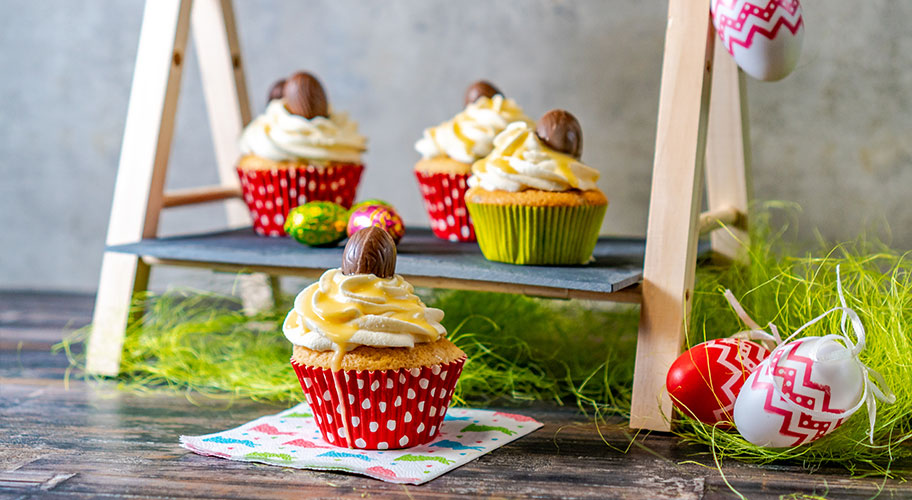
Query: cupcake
376	367
298	150
532	200
448	151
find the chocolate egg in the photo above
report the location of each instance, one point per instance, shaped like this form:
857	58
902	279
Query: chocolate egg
376	215
370	251
277	90
317	223
561	131
304	96
481	88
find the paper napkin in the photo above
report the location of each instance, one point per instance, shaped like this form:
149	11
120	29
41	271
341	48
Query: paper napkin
291	439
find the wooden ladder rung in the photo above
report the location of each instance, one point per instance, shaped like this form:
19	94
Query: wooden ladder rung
205	194
730	216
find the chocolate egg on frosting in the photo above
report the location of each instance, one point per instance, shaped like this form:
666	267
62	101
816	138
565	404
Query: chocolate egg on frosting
304	95
277	90
560	131
317	223
376	215
481	88
370	251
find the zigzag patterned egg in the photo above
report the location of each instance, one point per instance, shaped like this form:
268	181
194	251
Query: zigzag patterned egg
764	36
802	392
704	381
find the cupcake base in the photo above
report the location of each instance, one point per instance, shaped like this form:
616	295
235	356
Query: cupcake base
270	193
379	409
540	232
444	199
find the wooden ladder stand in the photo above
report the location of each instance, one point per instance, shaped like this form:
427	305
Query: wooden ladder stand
688	126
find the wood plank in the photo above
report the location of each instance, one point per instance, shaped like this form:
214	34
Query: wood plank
225	90
728	153
710	220
138	191
215	37
106	442
677	181
192	196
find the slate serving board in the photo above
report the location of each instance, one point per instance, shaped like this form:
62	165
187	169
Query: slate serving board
617	265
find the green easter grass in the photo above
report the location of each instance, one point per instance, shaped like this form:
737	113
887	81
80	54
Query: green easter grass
524	349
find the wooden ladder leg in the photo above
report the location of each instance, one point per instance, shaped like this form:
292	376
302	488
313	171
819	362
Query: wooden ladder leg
140	174
674	205
228	105
728	154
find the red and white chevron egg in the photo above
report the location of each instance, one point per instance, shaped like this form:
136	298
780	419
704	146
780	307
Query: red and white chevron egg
764	36
705	381
802	392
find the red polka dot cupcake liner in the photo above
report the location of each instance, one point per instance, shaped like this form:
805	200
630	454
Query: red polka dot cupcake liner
444	198
381	409
271	193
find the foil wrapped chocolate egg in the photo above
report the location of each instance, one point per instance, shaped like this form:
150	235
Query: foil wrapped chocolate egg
317	223
384	217
372	202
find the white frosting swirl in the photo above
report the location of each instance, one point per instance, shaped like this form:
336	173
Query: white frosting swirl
341	312
469	135
520	161
279	135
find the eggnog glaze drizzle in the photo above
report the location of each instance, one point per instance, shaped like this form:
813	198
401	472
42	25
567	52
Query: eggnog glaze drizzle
521	161
341	312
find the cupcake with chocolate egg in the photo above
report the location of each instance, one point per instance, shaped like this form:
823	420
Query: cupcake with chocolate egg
376	367
448	151
299	150
532	199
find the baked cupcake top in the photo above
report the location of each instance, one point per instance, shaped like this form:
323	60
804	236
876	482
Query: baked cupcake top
362	303
469	135
299	124
544	158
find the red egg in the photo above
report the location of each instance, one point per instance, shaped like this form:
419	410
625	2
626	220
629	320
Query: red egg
705	381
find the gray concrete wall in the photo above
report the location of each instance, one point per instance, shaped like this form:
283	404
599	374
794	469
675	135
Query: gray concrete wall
835	137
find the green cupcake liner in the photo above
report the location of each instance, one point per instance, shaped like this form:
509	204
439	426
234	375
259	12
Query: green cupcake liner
526	235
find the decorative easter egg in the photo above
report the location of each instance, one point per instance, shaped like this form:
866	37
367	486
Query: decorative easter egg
802	392
705	380
317	223
372	201
377	215
764	36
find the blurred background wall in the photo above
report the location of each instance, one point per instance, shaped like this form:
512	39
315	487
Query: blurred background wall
835	136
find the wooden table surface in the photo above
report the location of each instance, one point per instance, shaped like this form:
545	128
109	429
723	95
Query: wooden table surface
89	439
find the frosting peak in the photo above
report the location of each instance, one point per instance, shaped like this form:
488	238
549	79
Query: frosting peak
520	161
469	135
279	135
341	312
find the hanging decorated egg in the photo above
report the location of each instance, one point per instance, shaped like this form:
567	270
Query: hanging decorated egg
764	36
377	215
802	392
317	223
704	381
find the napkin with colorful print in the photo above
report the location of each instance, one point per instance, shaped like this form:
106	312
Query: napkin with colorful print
292	439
